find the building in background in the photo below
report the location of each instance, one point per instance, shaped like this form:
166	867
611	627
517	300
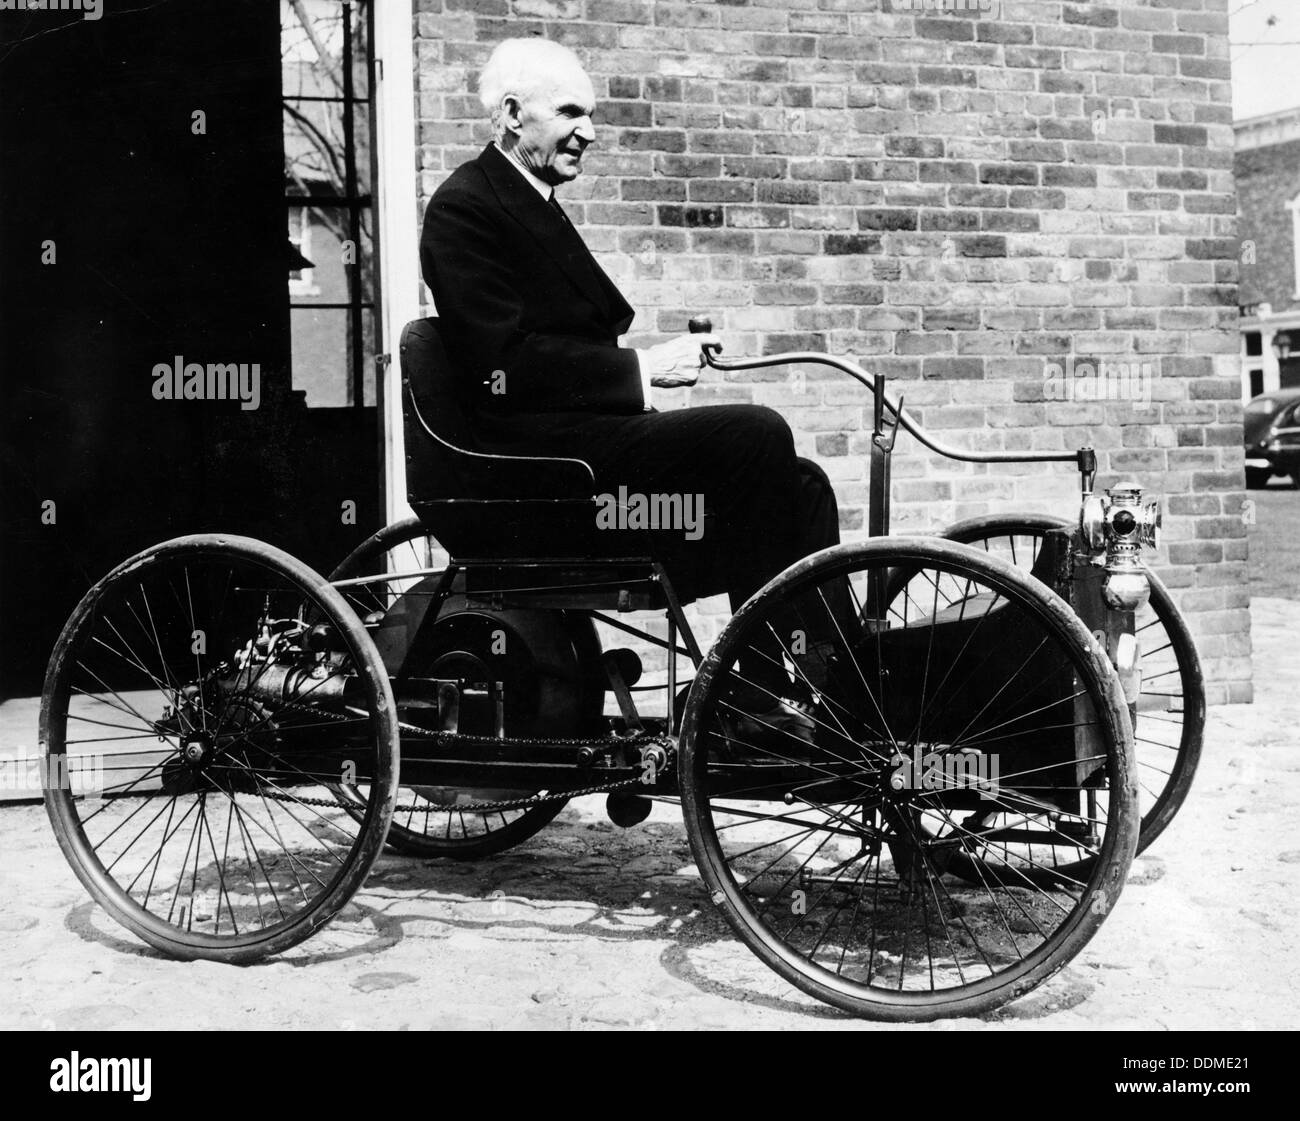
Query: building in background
983	206
1268	189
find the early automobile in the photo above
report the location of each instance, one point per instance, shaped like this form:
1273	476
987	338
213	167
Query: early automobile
1272	434
1009	711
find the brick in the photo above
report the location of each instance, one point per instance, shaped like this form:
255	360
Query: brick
653	189
986	245
949	29
803	45
916	147
1090	15
688	166
1181	134
952	368
1178	44
658	139
897	219
691	216
757	217
1014	175
951	319
619	113
949	220
838	244
720	190
1211	248
1010	221
1041	199
1069	176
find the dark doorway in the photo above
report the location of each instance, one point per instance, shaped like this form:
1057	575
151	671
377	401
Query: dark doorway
142	220
1288	373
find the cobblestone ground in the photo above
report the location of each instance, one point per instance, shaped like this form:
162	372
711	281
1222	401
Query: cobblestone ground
588	926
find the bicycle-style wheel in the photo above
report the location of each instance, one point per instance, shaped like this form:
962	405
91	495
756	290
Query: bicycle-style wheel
199	704
981	723
1170	726
444	821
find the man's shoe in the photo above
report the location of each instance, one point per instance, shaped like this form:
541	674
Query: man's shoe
780	734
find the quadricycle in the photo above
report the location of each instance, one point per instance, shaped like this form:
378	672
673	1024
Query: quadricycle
1001	716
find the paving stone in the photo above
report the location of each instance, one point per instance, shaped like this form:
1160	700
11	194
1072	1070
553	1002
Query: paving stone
377	982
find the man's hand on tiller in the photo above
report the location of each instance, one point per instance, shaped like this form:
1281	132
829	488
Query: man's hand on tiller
677	362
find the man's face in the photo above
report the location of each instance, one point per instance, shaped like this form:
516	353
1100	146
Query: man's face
553	127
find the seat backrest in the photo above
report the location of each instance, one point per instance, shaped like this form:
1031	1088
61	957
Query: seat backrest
444	459
436	429
484	505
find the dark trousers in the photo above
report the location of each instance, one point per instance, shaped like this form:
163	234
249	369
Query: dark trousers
766	507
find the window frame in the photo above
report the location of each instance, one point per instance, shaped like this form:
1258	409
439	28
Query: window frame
353	201
1294	207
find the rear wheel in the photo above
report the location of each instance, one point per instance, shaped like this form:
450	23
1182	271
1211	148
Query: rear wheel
980	722
1170	723
207	693
443	821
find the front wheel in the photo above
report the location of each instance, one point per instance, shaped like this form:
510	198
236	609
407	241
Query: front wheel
980	723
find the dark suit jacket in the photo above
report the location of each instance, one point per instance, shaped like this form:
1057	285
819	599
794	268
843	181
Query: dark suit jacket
517	290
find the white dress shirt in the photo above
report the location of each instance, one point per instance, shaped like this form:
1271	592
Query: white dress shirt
547	192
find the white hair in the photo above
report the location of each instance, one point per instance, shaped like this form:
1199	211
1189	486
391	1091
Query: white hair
524	68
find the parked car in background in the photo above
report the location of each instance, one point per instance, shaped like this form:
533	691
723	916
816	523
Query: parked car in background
1272	434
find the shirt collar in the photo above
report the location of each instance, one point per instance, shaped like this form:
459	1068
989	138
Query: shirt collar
543	189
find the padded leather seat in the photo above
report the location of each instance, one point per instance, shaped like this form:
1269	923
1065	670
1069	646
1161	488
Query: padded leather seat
482	505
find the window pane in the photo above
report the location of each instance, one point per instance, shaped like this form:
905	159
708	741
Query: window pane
326	236
327	157
322	367
315	159
1253	346
312	50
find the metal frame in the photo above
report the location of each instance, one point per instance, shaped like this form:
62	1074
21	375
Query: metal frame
889	416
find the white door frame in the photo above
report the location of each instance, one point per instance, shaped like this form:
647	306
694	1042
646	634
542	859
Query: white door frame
397	214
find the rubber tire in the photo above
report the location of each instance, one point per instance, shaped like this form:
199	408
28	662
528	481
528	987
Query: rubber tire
409	842
238	949
1257	477
1118	846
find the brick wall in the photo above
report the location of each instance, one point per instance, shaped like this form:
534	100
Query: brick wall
956	200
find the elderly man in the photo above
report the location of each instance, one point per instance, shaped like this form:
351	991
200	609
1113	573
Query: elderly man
532	323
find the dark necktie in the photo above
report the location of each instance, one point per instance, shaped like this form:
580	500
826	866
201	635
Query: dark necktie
555	205
602	279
